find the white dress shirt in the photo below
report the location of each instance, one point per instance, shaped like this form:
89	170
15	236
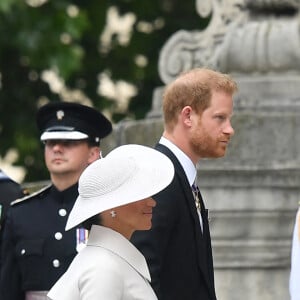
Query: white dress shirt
108	268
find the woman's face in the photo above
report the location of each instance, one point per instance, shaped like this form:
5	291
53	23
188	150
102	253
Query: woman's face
134	216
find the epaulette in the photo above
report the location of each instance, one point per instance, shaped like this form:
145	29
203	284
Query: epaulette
31	195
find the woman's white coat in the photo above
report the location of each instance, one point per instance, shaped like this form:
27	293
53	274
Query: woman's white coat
108	268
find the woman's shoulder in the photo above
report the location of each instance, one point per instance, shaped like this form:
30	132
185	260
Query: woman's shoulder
98	257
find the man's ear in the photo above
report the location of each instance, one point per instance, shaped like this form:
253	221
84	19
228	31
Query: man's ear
94	154
185	115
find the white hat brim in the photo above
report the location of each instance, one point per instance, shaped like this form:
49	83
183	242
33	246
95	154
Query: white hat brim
127	174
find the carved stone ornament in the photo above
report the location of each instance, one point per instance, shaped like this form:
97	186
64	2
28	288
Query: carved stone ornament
273	4
243	37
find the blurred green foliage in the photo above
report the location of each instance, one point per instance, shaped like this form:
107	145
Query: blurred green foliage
31	41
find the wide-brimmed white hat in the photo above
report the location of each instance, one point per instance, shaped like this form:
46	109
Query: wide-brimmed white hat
127	174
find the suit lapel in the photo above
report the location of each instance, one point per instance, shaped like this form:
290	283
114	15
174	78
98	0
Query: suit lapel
185	186
200	238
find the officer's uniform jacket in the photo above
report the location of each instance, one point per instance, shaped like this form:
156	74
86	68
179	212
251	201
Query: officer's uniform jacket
9	191
36	249
109	268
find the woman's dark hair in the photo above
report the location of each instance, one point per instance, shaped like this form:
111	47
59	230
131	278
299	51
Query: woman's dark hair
94	220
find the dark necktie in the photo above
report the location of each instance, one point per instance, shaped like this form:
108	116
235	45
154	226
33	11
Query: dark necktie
196	193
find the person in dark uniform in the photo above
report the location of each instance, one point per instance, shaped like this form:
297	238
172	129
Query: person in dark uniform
9	190
36	249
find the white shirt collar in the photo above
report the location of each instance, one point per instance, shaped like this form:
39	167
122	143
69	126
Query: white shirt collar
187	164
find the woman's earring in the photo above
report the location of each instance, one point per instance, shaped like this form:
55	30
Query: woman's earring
113	213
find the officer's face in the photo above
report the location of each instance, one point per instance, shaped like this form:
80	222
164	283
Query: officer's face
66	157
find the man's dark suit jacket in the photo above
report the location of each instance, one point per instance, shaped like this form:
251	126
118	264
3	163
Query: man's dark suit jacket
178	254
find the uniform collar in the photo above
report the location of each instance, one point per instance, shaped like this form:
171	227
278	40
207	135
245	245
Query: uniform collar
69	194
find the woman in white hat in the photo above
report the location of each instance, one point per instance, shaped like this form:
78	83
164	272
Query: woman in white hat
114	201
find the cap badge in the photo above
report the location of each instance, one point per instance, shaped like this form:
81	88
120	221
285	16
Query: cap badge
60	114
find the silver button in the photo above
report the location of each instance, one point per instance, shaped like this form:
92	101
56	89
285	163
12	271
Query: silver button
56	263
58	235
62	212
23	251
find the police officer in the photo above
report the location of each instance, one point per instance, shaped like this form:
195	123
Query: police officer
36	249
9	191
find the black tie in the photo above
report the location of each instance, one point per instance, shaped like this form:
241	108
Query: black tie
196	193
